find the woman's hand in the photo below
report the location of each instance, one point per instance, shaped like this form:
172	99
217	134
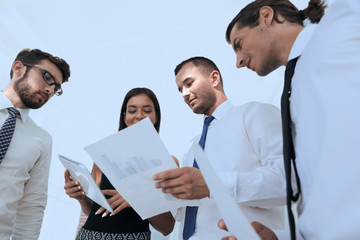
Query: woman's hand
116	201
72	188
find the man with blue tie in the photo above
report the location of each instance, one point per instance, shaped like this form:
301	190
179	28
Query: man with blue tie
320	104
243	145
25	148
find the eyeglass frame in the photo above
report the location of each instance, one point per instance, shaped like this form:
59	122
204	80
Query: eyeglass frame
57	90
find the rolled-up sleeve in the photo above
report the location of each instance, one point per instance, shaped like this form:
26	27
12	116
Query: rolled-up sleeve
265	186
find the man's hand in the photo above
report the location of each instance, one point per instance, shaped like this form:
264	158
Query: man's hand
183	183
222	226
264	232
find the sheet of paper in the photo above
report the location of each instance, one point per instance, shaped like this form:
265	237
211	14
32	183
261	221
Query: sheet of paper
129	159
235	220
79	172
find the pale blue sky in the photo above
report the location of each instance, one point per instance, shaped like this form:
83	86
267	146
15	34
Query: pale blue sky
113	46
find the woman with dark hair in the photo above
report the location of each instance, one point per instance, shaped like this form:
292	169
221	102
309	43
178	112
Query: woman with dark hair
124	223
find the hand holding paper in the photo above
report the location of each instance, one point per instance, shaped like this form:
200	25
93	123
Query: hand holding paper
79	172
73	188
129	159
183	183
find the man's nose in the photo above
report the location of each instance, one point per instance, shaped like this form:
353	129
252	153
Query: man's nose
240	62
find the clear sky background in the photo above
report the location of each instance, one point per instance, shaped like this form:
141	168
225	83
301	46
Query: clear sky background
113	46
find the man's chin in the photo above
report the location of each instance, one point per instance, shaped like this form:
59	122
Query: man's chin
197	110
265	72
34	105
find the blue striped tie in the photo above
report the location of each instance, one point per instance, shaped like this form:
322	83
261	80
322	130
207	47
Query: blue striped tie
190	215
7	131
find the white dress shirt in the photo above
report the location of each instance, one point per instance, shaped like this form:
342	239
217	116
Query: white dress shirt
244	146
324	107
24	175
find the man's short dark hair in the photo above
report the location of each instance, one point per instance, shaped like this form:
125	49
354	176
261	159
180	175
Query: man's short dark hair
34	56
205	65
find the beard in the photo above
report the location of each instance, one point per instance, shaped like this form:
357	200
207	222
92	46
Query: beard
207	101
271	59
269	64
28	97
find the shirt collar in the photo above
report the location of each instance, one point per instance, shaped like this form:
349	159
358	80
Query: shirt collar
221	110
301	41
6	103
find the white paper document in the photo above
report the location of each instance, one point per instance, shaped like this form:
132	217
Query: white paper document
79	172
235	220
129	159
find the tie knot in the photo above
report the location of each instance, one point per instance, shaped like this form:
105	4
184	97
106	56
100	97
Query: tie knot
208	120
13	112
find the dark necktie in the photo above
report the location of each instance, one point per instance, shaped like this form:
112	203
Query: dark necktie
7	131
289	152
190	215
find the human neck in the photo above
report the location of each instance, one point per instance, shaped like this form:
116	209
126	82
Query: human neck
219	100
287	37
13	97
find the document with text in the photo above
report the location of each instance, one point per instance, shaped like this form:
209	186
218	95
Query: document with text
129	159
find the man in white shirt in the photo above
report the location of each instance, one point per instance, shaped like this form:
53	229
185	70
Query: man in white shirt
24	169
324	102
243	145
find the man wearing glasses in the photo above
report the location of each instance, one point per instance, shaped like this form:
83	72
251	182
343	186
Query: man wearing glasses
25	148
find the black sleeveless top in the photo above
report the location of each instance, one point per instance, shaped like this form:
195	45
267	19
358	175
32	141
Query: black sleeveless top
125	221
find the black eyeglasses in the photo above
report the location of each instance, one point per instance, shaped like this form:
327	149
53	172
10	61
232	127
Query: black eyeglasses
48	78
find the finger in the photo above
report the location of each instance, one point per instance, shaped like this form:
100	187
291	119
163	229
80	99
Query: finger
71	190
229	238
105	213
222	225
71	184
100	210
178	191
72	187
76	194
67	175
169	183
257	226
264	232
115	200
116	203
109	192
183	195
119	208
176	160
168	174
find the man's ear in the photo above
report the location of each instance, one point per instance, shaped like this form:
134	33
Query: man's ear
18	69
215	78
266	15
